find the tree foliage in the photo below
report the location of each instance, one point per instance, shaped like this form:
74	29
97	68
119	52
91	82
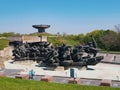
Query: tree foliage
106	39
9	34
109	40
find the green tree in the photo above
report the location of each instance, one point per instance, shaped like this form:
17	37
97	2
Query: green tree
117	27
97	34
80	38
109	40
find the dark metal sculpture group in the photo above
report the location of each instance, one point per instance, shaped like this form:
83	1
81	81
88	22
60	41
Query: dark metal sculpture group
47	55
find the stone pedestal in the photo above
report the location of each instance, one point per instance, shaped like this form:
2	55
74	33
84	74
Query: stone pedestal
47	78
105	82
74	80
59	68
22	76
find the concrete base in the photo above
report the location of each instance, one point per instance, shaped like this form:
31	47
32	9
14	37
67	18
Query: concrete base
2	75
74	80
22	76
55	68
105	82
47	78
59	68
78	67
62	68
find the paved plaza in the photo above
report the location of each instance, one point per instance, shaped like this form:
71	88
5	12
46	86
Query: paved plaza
92	76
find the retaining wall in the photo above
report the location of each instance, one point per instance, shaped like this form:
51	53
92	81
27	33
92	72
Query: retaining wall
5	55
6	52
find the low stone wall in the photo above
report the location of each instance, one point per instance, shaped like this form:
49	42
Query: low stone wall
5	54
1	63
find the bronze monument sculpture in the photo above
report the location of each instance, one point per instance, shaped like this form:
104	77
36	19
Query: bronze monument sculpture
47	55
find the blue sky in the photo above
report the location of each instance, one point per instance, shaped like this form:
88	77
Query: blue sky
68	16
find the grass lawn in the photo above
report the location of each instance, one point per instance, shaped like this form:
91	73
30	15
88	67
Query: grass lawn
61	40
18	84
3	43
